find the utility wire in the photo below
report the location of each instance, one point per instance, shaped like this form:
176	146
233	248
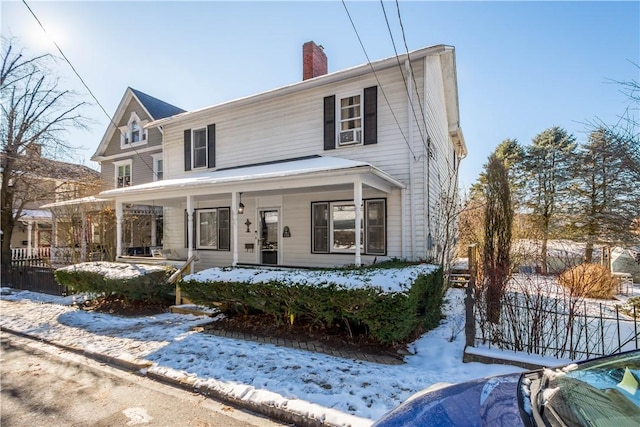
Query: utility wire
406	87
378	80
411	66
85	84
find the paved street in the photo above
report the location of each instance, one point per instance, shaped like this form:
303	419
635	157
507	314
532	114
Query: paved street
42	385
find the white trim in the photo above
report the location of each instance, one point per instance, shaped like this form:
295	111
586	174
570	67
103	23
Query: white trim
155	159
358	131
217	227
126	132
125	154
193	148
117	166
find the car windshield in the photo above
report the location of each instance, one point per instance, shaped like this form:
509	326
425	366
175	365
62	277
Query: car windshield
603	392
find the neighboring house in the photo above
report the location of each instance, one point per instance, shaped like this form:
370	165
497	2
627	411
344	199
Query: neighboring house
350	167
44	181
131	154
128	154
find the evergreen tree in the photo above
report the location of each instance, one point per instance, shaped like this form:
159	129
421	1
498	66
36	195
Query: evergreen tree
606	192
498	221
547	171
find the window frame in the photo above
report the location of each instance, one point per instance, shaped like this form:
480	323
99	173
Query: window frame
364	229
223	236
116	169
158	172
339	120
193	148
126	132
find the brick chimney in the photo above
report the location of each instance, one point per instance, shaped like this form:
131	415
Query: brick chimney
314	61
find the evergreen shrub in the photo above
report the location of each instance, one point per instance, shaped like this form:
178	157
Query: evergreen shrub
388	317
130	282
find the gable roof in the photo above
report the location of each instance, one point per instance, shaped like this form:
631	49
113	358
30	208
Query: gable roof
448	74
154	107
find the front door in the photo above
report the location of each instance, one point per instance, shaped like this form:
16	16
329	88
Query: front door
269	226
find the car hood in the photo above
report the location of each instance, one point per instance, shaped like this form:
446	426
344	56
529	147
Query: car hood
484	402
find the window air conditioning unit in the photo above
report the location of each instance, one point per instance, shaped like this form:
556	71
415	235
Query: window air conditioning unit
350	137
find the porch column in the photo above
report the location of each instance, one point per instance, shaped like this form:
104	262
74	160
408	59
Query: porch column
29	232
83	241
190	235
154	224
357	200
234	225
118	229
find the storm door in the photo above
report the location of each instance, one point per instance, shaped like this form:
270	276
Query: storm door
269	226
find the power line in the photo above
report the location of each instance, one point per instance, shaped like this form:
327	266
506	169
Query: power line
406	87
378	80
84	83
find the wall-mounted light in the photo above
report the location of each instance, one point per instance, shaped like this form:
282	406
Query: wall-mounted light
240	206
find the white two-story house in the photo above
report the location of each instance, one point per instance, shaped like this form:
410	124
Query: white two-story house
348	167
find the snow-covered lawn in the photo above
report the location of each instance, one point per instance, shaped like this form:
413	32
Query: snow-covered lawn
330	387
253	370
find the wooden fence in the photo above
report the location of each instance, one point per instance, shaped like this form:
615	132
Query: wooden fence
32	278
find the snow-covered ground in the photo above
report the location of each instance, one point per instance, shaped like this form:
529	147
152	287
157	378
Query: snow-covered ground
331	388
253	370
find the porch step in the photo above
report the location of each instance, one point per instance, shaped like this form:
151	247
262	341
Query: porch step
196	310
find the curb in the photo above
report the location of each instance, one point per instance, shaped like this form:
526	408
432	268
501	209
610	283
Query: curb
140	366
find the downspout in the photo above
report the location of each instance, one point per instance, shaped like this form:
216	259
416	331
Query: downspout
412	207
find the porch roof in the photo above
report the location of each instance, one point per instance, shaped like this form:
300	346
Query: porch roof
74	202
316	171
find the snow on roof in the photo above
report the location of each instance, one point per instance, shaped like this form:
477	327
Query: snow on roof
35	213
256	172
82	200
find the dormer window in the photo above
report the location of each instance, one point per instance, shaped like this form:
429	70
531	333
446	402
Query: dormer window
132	133
135	131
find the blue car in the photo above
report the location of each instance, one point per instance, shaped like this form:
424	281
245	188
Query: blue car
598	392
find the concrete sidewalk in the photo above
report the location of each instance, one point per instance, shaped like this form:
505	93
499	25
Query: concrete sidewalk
124	357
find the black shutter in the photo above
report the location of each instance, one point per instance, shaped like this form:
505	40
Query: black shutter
211	146
187	150
371	115
330	122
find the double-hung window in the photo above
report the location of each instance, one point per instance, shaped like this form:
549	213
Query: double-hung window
213	229
200	148
158	165
123	173
350	119
135	131
334	227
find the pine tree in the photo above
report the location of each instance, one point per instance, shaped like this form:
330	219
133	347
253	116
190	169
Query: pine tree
547	171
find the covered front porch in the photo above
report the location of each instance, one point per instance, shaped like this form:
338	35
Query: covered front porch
301	212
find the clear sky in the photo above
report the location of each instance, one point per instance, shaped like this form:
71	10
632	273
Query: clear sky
522	66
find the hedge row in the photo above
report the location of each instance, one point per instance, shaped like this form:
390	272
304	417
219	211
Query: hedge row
388	317
129	282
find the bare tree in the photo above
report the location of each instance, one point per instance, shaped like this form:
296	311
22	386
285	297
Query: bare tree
36	112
